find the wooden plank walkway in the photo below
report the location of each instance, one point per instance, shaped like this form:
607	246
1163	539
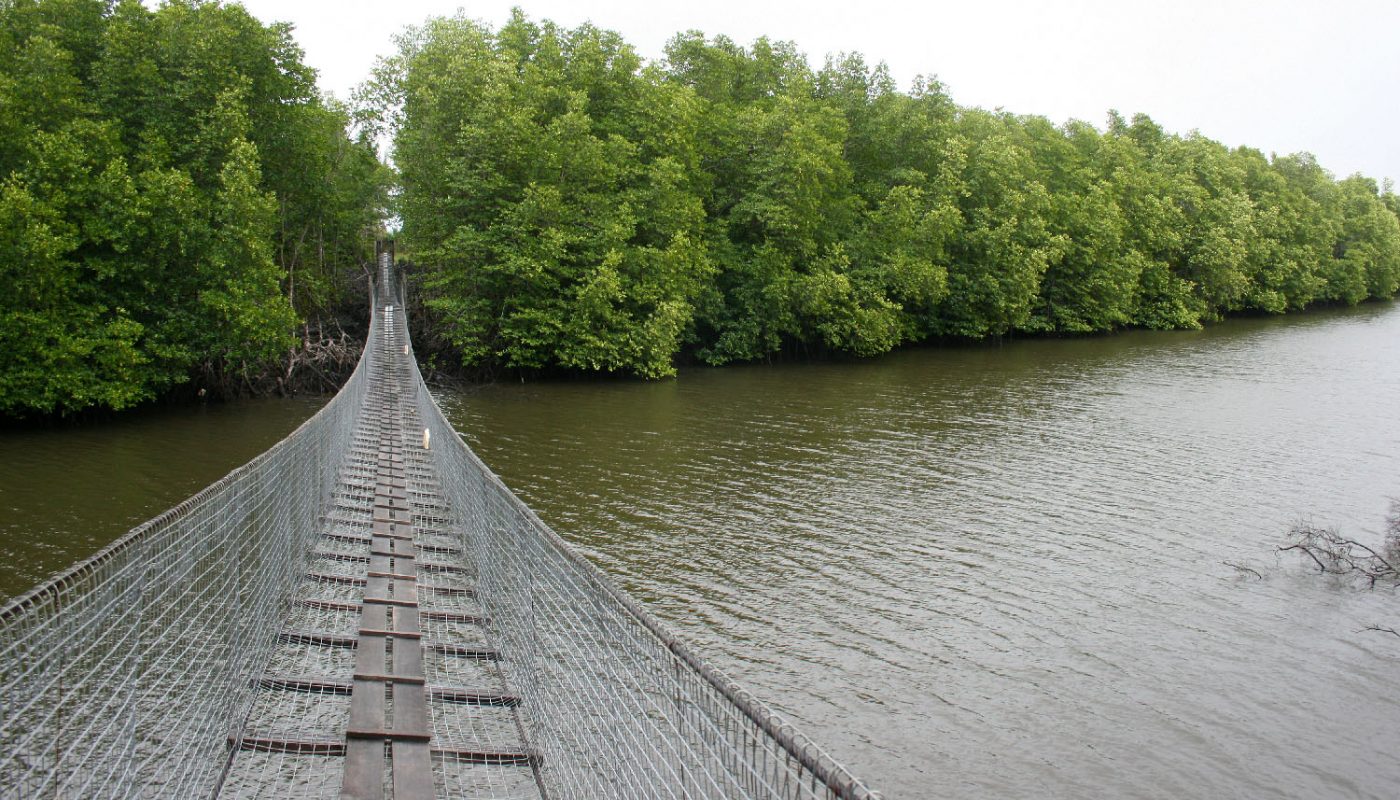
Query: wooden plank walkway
384	683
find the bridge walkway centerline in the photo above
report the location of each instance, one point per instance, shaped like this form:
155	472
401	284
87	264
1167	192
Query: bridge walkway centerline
384	635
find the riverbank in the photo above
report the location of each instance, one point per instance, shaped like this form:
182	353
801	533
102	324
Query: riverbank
443	369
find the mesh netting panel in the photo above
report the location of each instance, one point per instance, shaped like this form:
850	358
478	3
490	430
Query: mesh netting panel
218	629
612	703
129	675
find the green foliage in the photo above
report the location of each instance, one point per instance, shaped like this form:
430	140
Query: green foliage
549	181
164	178
174	196
579	209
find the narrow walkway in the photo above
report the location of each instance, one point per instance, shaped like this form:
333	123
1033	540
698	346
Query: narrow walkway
384	683
324	622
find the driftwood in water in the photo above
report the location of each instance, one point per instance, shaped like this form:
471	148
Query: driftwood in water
1335	554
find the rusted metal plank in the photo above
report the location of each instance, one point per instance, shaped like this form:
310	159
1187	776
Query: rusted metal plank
395	634
397	576
406	588
364	770
367	704
389	501
383	678
370	656
396	547
326	577
319	638
394	515
472	697
376	587
381	732
293	683
392	601
445	694
392	531
465	651
350	558
440	549
408	657
452	591
374	616
437	566
413	770
329	605
452	616
493	757
345	537
277	744
410	708
407	620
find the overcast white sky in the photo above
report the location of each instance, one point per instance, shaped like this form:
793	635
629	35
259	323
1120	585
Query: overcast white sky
1280	75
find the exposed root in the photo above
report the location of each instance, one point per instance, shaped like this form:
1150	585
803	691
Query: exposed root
322	362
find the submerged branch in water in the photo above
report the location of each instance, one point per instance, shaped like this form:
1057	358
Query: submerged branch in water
1243	569
1335	554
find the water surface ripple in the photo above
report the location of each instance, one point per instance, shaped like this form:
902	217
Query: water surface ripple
69	489
997	571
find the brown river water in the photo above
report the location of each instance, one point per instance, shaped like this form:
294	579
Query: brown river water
969	572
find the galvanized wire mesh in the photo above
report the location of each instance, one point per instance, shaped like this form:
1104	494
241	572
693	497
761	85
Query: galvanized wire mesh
207	652
129	675
613	704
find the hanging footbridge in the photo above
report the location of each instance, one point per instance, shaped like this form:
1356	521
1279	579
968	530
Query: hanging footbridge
366	611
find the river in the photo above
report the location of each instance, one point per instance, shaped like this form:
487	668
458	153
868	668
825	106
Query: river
68	490
973	572
991	572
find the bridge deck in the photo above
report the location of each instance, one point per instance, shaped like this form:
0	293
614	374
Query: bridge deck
384	682
353	615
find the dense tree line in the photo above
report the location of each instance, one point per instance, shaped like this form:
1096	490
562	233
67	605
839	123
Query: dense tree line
576	207
174	195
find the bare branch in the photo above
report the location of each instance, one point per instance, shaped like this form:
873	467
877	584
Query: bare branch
1336	554
1243	568
1307	552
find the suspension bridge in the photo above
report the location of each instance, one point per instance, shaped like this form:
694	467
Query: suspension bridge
366	611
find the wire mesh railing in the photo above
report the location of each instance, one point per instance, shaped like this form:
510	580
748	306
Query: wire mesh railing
612	702
137	672
128	675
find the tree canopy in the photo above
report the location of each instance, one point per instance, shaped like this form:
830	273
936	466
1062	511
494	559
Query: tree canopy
174	196
576	207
